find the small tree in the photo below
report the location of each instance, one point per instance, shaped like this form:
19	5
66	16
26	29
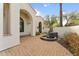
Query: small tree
70	17
50	21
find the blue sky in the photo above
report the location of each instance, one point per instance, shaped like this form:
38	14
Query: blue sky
44	9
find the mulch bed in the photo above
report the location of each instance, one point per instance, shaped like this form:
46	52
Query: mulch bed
65	44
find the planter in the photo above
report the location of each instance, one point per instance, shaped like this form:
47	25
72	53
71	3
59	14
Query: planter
50	36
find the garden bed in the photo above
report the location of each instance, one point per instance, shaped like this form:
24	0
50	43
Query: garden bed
71	42
64	44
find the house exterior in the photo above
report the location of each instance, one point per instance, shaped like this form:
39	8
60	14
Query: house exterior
17	19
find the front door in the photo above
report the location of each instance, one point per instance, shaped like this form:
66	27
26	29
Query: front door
40	27
21	25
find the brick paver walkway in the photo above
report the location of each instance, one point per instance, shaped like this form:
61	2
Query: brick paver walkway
34	46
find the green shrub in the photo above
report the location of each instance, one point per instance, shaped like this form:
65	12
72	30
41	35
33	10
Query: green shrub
73	23
73	41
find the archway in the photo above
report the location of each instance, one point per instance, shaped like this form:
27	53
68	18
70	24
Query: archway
40	27
25	23
21	25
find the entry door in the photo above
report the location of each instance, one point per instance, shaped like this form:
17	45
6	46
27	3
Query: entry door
21	25
40	27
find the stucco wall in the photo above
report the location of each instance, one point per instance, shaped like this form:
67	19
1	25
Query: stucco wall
1	19
12	39
28	8
62	30
27	24
35	19
39	19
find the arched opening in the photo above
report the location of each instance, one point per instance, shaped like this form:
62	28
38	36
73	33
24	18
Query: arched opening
25	23
40	27
6	19
21	25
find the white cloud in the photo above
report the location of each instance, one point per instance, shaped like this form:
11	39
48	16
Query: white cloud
45	5
64	12
38	12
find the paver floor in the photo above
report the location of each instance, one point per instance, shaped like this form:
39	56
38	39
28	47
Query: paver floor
34	46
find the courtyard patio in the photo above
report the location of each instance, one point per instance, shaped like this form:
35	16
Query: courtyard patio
34	46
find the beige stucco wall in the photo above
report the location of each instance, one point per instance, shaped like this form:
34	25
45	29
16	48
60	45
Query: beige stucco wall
14	38
39	19
27	24
1	20
35	19
28	8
